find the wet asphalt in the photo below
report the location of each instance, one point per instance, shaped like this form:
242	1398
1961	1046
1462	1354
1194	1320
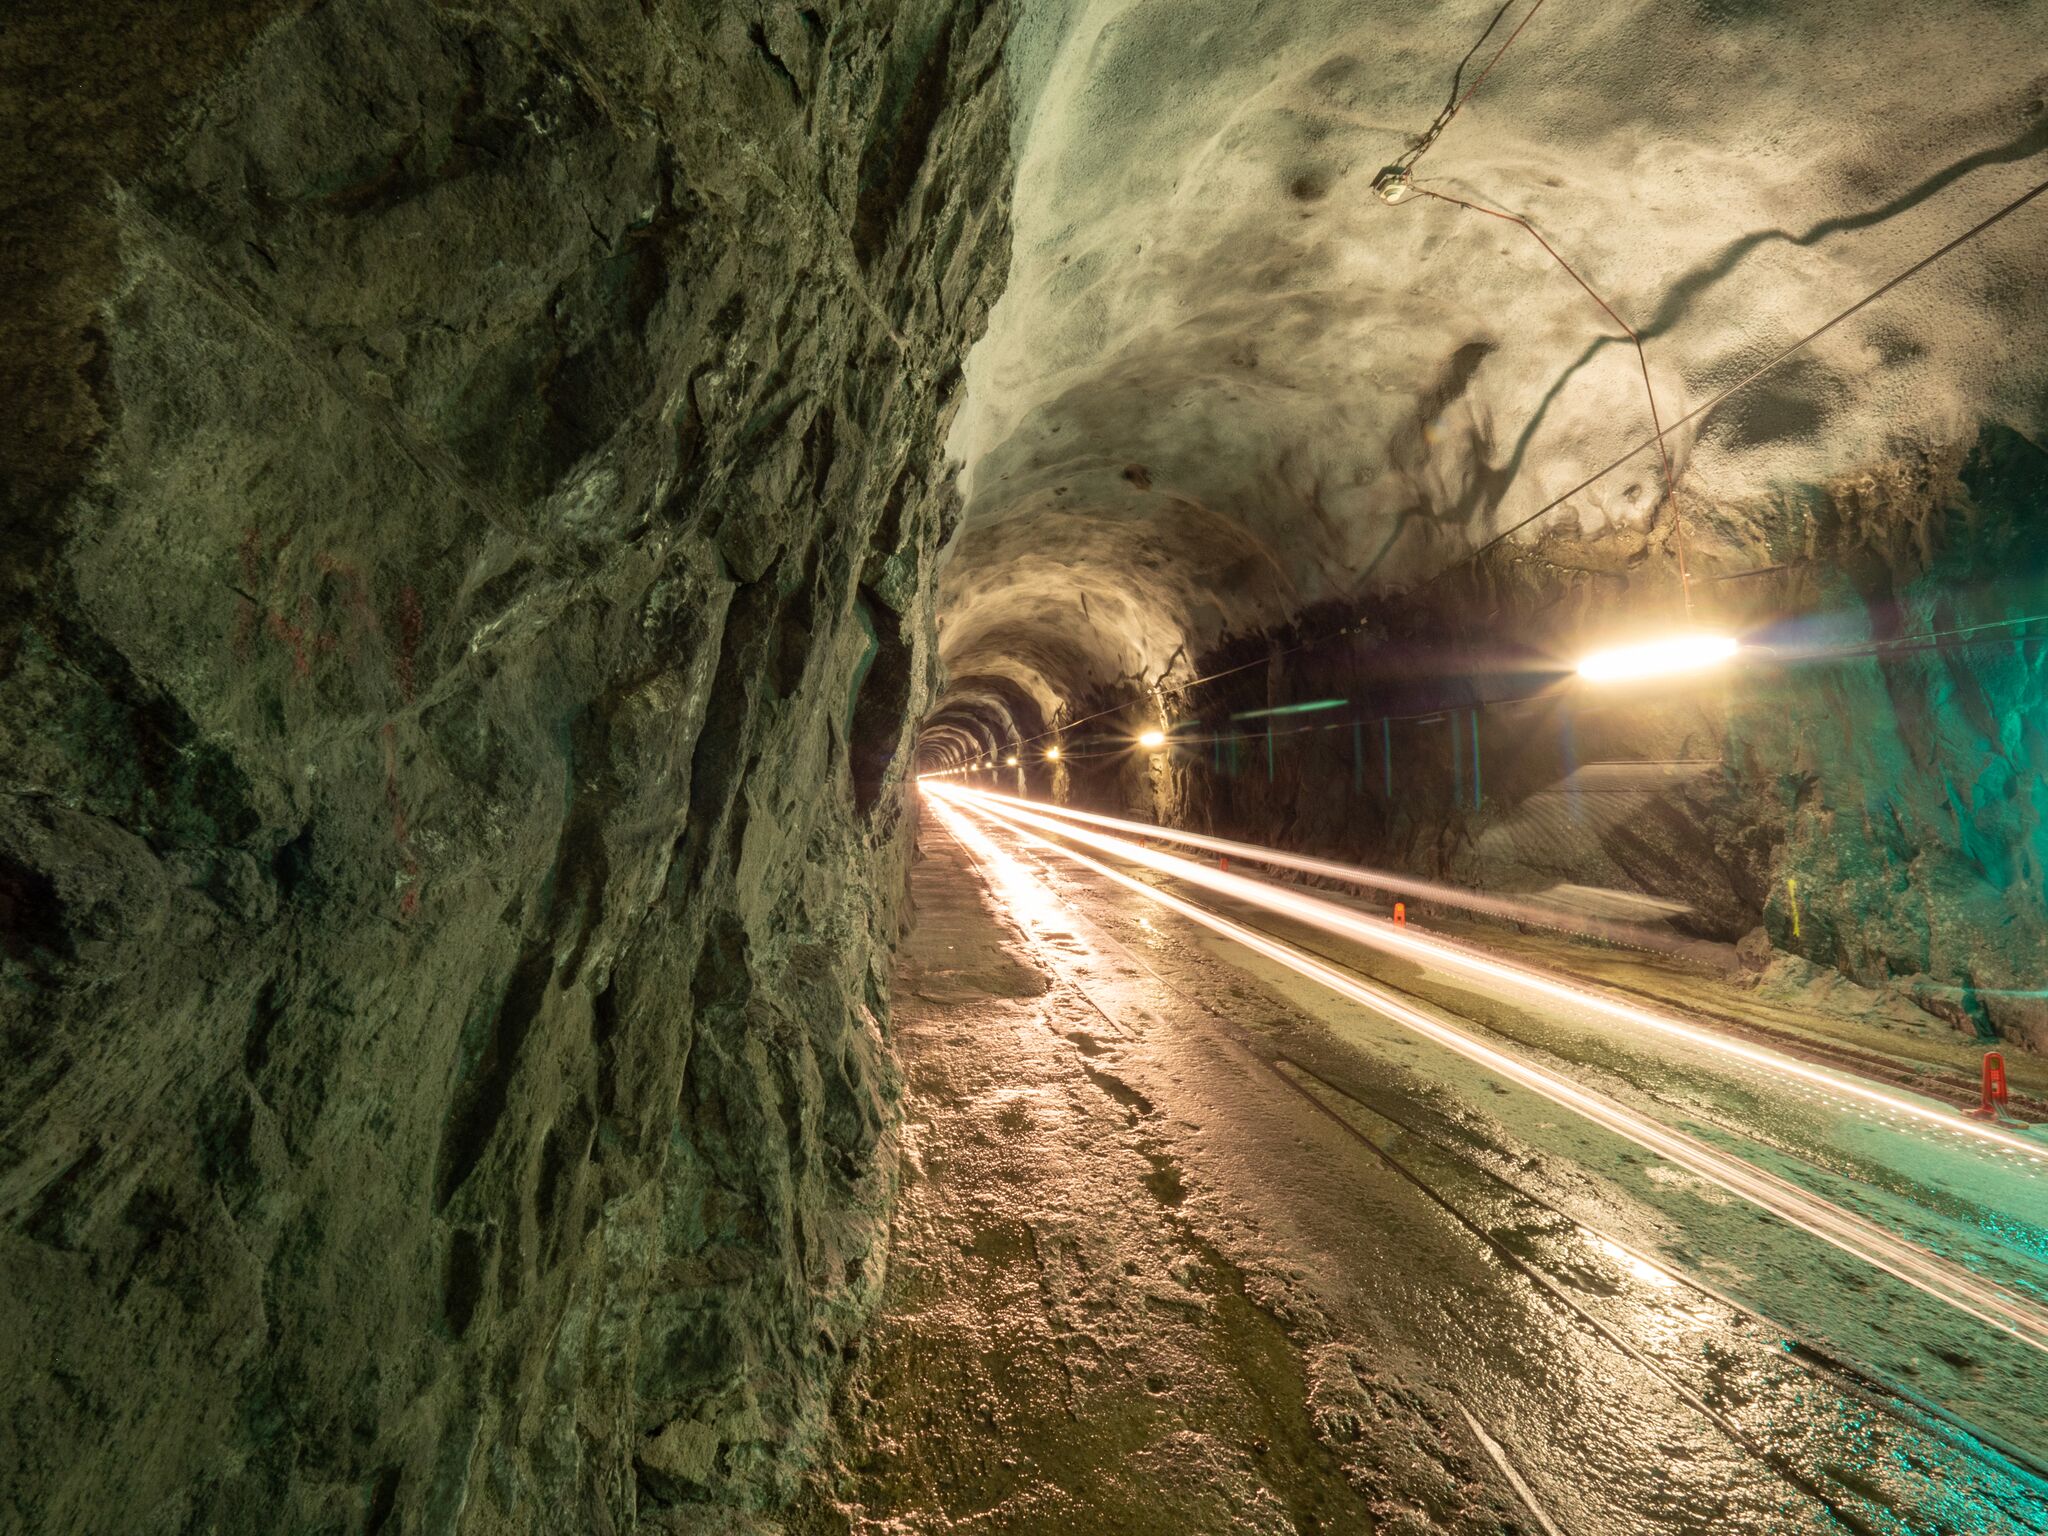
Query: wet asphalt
1188	1244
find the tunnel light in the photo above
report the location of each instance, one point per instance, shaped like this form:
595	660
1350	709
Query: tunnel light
1151	741
1011	760
1657	658
1052	754
1393	185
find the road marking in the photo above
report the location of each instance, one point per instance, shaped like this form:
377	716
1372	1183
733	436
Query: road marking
1507	1470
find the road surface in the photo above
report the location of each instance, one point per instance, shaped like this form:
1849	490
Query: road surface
1613	1339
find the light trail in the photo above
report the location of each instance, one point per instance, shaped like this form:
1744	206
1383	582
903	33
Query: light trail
1907	1262
1513	909
1391	938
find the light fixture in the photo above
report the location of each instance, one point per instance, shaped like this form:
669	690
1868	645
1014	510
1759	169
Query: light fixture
1011	760
1052	754
1152	740
1658	658
1394	184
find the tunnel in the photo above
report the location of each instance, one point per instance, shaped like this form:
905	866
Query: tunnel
1047	766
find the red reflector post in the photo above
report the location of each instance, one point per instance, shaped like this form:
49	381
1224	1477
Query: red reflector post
1993	1100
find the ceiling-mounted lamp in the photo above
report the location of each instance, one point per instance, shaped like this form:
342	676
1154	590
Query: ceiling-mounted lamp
1011	760
1393	184
1052	754
1667	657
1152	740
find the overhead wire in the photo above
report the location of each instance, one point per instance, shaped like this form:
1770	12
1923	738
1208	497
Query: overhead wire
1880	647
1670	495
1415	152
1770	364
1457	102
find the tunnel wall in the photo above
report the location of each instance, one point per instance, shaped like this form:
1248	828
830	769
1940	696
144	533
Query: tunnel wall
1858	798
469	550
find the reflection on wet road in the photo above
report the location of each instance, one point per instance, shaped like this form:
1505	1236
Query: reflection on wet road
1872	1347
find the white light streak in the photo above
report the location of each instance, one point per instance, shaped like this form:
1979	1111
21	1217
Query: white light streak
1989	1303
1392	938
1514	909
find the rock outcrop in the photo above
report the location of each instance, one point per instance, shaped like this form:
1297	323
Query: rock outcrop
467	582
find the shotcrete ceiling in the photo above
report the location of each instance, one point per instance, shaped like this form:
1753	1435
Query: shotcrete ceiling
1226	381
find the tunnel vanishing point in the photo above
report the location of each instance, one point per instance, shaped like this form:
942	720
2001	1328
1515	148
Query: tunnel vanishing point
533	531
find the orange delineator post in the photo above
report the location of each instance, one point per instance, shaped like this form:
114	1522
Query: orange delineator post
1993	1102
1401	912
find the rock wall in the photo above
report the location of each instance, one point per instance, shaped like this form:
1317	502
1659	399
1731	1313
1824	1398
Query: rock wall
467	574
1864	789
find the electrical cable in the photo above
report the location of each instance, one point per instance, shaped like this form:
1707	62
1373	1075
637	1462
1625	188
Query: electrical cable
1457	102
1193	682
1750	378
1875	648
1670	495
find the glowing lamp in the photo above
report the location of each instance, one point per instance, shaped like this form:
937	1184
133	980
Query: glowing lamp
1052	754
1394	184
1011	760
1658	658
1152	740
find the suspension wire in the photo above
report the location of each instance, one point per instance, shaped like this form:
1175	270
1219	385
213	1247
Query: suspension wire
1457	102
1712	404
1670	496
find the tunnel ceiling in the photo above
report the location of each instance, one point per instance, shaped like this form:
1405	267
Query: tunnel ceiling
1226	381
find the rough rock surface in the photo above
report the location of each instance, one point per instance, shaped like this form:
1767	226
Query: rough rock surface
468	556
